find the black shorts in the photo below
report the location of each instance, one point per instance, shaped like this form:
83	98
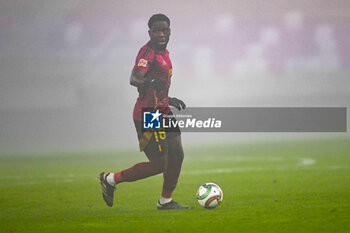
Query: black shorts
155	142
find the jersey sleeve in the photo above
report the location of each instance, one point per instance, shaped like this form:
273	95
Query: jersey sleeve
144	59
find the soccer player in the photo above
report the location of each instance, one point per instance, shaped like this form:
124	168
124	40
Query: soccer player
152	77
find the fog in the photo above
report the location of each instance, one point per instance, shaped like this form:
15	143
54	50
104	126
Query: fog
65	65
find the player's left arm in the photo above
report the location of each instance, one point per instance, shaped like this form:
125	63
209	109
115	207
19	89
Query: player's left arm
177	103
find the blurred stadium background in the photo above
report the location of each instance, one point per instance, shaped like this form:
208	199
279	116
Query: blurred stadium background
65	65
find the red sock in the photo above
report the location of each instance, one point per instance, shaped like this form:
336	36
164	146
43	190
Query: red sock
138	171
117	177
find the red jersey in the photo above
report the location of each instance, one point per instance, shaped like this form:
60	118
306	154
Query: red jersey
155	64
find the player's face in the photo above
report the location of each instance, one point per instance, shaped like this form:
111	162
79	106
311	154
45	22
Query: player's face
159	34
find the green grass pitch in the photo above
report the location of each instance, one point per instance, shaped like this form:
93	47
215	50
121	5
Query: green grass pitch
289	186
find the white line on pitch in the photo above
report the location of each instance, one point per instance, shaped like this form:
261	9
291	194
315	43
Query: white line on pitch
306	161
235	158
70	177
258	169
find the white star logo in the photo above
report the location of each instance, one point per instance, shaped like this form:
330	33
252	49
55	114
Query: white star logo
155	115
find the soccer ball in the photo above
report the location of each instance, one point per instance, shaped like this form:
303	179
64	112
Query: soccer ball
209	195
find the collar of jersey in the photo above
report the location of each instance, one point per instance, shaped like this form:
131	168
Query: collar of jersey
149	43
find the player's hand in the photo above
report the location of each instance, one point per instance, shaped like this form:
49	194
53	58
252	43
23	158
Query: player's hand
177	103
155	84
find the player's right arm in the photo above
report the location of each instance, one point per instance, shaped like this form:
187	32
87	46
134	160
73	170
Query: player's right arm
142	65
137	78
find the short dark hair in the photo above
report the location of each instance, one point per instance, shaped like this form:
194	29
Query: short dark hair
158	17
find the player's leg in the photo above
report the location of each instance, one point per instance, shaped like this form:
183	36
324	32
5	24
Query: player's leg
154	166
139	171
155	150
171	174
173	166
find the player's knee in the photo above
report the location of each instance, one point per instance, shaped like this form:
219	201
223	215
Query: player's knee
178	155
176	152
159	164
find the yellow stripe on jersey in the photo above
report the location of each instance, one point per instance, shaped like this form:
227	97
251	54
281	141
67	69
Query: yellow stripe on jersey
145	138
170	73
155	100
